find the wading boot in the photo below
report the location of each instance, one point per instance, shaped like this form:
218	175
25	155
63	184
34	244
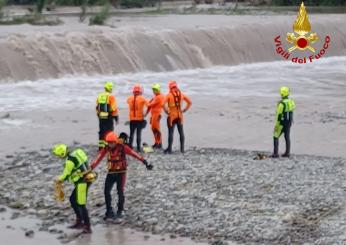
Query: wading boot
276	148
168	151
86	229
77	225
109	216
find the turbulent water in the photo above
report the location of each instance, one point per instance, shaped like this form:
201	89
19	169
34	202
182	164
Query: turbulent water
324	78
52	54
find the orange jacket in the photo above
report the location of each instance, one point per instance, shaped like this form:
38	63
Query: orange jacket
156	104
173	103
136	105
116	158
112	107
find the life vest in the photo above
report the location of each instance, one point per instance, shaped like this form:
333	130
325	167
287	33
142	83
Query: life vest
103	106
174	107
287	112
80	160
117	159
177	99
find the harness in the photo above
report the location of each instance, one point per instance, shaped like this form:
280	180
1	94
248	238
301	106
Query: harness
117	159
286	114
177	99
134	105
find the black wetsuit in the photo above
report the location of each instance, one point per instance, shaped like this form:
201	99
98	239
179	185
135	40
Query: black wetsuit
171	134
111	179
286	123
136	126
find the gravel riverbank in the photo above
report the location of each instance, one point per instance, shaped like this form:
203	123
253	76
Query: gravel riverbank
210	195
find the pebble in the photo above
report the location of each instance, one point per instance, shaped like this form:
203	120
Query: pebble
216	195
29	233
16	205
5	116
15	215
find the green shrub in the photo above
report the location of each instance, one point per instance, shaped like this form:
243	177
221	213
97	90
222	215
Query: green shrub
2	4
132	3
40	5
309	2
101	17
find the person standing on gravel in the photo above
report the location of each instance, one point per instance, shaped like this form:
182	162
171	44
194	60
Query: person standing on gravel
172	106
155	108
107	111
77	171
136	104
117	166
283	122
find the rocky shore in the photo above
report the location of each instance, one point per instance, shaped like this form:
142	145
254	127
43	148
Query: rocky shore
220	196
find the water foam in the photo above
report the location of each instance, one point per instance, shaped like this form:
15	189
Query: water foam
322	78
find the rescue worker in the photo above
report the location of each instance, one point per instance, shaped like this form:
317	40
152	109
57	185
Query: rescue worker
283	121
117	166
107	111
173	108
136	104
155	107
75	170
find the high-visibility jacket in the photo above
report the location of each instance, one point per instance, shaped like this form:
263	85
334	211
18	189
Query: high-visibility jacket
284	111
136	106
174	100
76	166
156	104
106	106
116	162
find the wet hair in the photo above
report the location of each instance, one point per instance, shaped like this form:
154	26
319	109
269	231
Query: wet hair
124	137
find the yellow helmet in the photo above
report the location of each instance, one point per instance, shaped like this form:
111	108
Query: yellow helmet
284	91
156	87
109	86
60	150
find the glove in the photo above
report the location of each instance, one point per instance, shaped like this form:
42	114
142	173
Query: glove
147	165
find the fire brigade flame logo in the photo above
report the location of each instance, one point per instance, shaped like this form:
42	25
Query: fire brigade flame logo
302	27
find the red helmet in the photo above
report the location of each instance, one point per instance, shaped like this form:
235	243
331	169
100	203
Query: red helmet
137	89
172	84
111	137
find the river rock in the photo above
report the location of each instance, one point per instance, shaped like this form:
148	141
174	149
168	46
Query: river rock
29	233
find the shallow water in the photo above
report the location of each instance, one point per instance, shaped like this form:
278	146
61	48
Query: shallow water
13	232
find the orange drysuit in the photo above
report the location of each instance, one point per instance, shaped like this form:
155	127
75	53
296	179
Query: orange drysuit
155	106
174	100
136	105
137	123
